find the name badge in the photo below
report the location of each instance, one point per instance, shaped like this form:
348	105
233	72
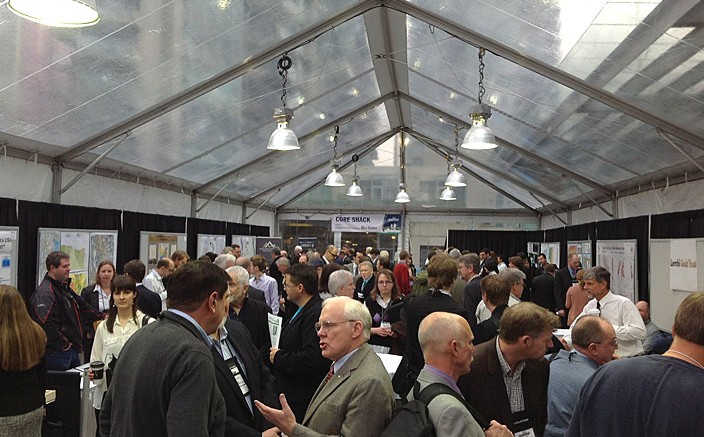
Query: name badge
523	424
239	379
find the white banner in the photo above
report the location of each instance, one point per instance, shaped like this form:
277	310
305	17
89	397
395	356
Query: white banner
357	222
619	258
683	264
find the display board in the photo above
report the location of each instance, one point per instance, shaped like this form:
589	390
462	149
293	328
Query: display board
154	246
265	245
551	251
619	258
210	243
9	236
247	243
663	299
87	249
532	252
583	249
683	264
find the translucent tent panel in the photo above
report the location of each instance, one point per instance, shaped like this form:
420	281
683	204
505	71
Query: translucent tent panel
379	176
68	85
281	169
230	126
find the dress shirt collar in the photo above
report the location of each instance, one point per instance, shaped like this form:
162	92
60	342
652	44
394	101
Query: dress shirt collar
194	323
444	376
505	368
337	365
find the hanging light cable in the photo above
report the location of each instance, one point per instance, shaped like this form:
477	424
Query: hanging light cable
335	179
355	190
479	136
454	177
402	196
283	138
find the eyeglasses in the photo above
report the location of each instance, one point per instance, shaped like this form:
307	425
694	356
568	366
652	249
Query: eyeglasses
384	282
613	342
326	325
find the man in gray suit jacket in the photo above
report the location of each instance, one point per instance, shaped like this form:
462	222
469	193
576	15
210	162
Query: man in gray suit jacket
355	398
446	341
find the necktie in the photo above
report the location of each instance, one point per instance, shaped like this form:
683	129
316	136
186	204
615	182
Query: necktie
598	306
331	372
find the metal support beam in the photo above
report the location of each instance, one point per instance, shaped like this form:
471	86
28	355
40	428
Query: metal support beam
372	145
220	79
95	162
681	150
213	197
584	193
548	208
361	110
243	217
548	163
56	174
553	73
263	203
194	203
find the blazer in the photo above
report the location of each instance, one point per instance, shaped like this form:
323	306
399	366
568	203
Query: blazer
362	293
543	292
241	421
256	294
484	388
254	316
299	365
357	401
489	328
148	302
563	281
448	415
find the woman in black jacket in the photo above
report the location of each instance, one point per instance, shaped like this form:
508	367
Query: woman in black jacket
97	295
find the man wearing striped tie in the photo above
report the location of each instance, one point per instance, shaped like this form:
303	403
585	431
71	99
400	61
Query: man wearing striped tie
355	398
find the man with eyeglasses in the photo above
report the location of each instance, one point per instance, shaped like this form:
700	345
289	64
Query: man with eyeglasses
355	398
594	341
297	363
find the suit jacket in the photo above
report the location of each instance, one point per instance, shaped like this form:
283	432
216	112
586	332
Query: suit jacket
489	328
299	365
241	421
471	299
448	415
563	281
362	293
256	294
148	302
484	388
254	316
543	292
357	401
164	384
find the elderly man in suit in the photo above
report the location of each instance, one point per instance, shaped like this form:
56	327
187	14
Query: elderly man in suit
509	377
446	341
355	398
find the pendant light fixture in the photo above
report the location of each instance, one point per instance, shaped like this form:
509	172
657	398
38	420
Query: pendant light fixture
402	196
355	190
283	138
479	136
56	13
448	193
334	178
454	177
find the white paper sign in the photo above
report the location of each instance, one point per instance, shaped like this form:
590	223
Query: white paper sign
274	329
619	258
357	222
683	264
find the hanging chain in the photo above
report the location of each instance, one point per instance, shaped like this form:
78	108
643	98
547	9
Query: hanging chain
457	142
334	144
482	90
283	65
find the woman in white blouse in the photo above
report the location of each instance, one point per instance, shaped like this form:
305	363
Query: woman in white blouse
123	320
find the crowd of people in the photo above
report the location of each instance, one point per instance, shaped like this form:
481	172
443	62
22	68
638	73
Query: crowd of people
187	348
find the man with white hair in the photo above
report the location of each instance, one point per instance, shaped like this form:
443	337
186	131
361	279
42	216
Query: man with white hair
252	313
341	283
355	398
225	261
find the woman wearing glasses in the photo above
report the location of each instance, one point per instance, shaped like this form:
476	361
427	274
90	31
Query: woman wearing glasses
385	304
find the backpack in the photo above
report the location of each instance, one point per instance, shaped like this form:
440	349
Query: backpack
412	418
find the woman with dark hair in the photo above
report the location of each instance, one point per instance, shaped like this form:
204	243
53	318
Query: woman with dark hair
22	369
324	277
123	320
97	295
385	304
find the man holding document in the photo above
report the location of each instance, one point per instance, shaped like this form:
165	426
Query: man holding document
298	363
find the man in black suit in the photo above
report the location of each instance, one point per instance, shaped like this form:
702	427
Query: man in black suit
544	288
252	313
495	294
298	363
469	271
365	282
148	302
564	278
242	378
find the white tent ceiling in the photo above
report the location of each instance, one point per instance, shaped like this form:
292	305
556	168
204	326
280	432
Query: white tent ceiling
591	99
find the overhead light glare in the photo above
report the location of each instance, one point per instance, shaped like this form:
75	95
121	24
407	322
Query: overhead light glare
56	13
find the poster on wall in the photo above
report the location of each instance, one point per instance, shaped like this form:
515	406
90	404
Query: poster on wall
8	255
210	243
265	245
86	248
551	251
154	246
247	243
583	249
683	264
619	258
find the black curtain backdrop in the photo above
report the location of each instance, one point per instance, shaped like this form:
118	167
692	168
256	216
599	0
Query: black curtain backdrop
686	224
135	222
197	226
35	215
506	243
8	212
242	229
629	229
